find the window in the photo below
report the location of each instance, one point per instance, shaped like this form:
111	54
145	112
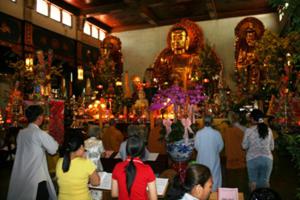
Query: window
54	13
101	34
66	18
42	7
87	28
95	32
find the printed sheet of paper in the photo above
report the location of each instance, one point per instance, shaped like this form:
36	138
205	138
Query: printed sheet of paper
161	186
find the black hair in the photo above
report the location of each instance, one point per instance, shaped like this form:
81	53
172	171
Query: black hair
258	116
73	144
264	194
195	174
33	112
135	147
208	120
112	122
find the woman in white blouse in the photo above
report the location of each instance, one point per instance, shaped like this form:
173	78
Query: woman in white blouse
196	185
258	142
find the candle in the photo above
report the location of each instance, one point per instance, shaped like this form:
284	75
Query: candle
71	77
126	85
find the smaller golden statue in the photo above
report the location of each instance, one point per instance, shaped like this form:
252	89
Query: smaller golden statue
141	105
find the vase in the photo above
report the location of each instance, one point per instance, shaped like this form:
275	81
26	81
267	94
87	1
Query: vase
180	151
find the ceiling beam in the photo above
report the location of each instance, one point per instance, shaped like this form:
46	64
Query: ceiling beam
244	12
146	13
103	9
66	6
211	9
131	27
99	24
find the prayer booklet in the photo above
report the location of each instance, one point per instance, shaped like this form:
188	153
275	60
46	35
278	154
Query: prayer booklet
228	194
105	181
161	186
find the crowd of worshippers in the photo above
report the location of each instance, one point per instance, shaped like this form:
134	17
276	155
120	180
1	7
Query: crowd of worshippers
132	178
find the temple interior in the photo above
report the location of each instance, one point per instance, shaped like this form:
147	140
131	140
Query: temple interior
107	69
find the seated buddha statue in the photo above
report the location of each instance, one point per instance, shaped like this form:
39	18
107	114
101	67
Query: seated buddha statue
179	62
141	105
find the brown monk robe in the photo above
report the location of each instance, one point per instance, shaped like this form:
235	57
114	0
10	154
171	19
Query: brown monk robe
233	137
112	137
154	144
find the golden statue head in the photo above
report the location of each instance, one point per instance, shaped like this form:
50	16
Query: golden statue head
194	39
247	32
179	40
110	44
250	37
249	26
141	94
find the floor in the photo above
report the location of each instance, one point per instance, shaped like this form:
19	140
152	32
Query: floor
284	178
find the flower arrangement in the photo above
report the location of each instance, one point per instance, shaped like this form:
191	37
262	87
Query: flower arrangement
177	96
182	125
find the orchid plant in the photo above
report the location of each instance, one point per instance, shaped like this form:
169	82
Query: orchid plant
182	126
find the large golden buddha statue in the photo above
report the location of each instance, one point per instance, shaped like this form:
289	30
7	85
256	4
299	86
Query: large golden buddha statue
179	62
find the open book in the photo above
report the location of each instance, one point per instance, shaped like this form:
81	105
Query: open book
228	194
105	183
161	186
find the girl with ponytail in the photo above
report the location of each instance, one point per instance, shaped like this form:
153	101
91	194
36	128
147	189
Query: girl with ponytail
197	184
258	142
131	178
74	171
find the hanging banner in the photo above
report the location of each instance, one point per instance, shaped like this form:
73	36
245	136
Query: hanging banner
56	120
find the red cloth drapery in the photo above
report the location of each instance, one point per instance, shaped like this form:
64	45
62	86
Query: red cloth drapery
56	120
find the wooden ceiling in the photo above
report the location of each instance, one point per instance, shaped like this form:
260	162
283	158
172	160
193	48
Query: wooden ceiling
122	15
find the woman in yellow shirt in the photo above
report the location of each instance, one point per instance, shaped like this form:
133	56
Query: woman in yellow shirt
74	171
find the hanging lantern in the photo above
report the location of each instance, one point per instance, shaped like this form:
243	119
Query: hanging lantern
205	80
80	73
119	83
29	63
